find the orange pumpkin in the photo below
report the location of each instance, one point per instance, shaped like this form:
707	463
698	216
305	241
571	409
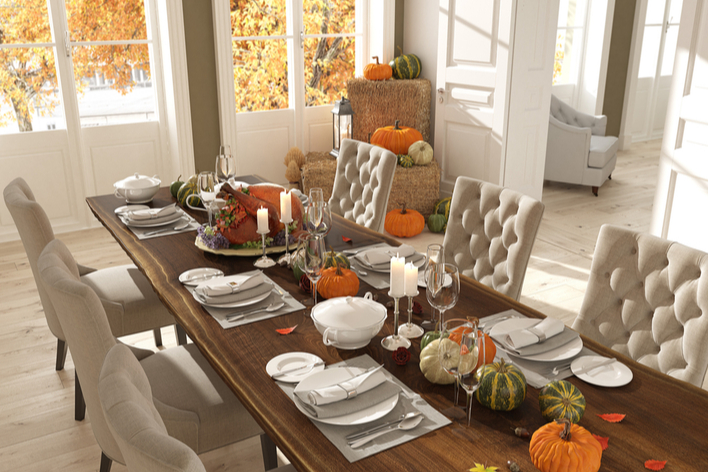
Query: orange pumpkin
404	223
490	350
377	71
565	447
396	139
338	282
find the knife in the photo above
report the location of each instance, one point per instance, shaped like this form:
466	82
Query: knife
352	438
590	367
295	369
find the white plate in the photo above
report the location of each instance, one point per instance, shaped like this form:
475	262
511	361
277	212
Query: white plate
422	284
560	353
149	224
194	277
293	360
242	303
336	375
126	208
364	266
611	375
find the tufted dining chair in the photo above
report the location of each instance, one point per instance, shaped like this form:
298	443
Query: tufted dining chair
362	183
647	298
490	233
195	405
127	297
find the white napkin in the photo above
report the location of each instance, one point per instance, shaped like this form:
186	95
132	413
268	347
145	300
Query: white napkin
151	214
383	255
231	284
335	393
547	328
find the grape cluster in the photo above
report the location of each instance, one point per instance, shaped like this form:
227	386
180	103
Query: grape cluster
279	239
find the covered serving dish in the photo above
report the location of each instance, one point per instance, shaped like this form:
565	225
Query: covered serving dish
137	188
348	322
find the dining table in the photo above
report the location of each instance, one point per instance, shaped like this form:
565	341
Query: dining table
666	419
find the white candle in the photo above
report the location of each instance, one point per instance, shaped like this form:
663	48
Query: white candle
398	277
411	280
262	220
286	215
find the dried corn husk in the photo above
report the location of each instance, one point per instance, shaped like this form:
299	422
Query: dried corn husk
292	173
296	155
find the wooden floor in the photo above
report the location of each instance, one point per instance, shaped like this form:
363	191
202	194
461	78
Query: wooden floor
37	429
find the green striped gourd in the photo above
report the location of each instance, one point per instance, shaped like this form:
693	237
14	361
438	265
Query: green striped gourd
187	189
561	399
404	160
502	388
405	66
332	258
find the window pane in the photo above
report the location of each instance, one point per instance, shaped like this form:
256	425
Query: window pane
329	63
567	58
675	11
329	16
667	62
23	22
258	18
650	51
114	20
260	75
655	12
572	13
113	84
30	98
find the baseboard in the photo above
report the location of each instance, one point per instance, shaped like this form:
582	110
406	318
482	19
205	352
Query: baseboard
625	142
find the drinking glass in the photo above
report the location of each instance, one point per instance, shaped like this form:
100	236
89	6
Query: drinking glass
435	258
313	259
207	192
471	371
456	357
316	195
225	164
443	288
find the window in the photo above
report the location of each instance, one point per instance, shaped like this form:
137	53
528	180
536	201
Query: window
569	44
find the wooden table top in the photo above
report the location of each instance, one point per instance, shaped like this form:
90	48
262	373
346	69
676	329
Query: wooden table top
666	419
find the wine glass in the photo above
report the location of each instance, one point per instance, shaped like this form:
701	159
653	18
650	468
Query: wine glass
471	371
455	358
316	195
313	259
319	218
435	257
207	192
225	164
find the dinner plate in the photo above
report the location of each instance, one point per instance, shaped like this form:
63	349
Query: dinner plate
423	284
242	303
293	360
334	376
151	224
194	277
126	208
611	375
560	353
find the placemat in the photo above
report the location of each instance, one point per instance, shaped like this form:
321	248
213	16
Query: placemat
408	401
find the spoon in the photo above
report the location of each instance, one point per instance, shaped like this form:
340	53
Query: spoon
164	230
404	425
352	438
359	271
270	308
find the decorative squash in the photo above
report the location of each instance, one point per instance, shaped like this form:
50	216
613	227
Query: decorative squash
404	223
437	223
333	258
295	263
490	350
404	160
187	189
396	139
564	447
561	399
429	337
502	388
405	66
377	71
430	365
421	152
442	207
338	282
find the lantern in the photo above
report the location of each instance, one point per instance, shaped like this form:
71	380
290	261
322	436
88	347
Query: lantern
342	124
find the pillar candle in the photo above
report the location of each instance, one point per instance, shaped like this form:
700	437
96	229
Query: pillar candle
398	277
285	207
411	280
262	220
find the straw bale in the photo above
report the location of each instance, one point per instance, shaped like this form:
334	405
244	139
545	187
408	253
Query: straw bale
318	171
378	103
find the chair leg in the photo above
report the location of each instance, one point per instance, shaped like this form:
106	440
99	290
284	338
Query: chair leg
181	335
105	463
158	337
594	191
270	457
62	348
609	177
79	403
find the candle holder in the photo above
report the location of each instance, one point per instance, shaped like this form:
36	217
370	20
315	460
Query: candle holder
285	258
393	342
264	262
410	330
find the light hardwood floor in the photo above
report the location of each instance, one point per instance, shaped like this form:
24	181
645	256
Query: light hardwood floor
37	427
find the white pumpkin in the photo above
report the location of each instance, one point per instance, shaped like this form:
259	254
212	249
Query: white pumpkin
421	152
430	365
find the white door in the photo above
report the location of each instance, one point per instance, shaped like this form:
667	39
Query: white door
682	190
495	61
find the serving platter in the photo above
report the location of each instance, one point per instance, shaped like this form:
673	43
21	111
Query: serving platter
247	252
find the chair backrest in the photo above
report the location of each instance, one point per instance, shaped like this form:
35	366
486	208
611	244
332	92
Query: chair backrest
87	331
36	232
647	298
490	233
362	183
126	398
563	112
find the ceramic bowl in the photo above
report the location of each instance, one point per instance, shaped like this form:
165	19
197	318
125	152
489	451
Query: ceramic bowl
348	322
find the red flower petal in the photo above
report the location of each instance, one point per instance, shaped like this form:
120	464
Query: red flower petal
603	441
286	330
612	417
654	465
346	240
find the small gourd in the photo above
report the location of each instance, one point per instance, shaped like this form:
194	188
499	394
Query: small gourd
561	446
404	223
561	399
437	223
377	71
502	388
405	66
338	282
404	160
421	152
430	365
333	258
442	207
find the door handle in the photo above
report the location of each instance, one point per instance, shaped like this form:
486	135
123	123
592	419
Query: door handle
441	92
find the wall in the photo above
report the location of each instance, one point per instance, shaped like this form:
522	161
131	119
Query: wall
618	65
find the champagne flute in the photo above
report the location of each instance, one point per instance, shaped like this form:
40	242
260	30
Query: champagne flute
316	195
207	192
435	257
225	164
313	260
319	218
455	358
443	288
471	371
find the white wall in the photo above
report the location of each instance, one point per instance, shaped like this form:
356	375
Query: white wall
597	53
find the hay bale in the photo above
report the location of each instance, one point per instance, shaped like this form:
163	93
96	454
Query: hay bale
318	171
378	103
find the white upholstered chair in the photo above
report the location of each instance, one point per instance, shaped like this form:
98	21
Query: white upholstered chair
490	234
195	405
578	152
647	298
362	183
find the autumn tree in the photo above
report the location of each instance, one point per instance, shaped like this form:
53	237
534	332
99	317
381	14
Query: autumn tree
28	74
